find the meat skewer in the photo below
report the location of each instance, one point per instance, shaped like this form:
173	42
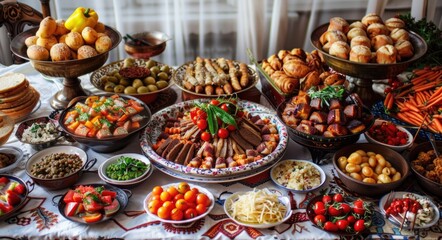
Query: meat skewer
244	75
233	76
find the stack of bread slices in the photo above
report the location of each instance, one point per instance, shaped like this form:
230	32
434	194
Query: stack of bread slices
17	97
6	127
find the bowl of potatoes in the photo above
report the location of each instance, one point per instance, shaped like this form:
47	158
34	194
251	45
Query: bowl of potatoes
141	78
370	169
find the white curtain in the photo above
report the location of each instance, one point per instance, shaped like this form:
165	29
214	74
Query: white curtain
226	28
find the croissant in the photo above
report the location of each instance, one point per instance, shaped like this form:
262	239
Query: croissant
275	62
285	83
311	79
296	69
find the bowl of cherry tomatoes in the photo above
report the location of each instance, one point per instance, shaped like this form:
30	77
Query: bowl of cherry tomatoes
339	215
388	134
179	203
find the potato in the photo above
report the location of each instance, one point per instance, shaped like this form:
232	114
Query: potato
370	154
362	153
367	171
381	160
386	171
356	176
103	44
378	169
60	29
368	180
372	161
355	158
396	176
384	178
74	40
47	27
99	27
47	42
32	40
365	164
352	168
393	170
342	162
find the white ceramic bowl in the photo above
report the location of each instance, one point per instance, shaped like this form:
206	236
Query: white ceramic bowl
17	152
200	189
399	148
399	195
275	174
111	160
234	197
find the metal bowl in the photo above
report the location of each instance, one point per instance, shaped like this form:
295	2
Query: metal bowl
156	44
368	70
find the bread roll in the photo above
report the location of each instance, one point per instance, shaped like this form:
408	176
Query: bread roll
404	48
46	42
360	53
99	27
380	40
329	37
103	44
89	35
340	49
74	40
62	38
371	18
86	51
36	52
47	27
32	40
338	24
358	24
399	34
386	54
377	29
393	23
61	29
360	40
60	52
355	32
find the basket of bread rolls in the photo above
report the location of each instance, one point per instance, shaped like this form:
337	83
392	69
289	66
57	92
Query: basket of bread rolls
370	48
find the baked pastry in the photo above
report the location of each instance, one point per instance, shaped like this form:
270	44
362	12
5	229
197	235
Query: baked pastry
89	35
371	18
394	22
32	40
404	48
46	42
354	32
36	52
377	29
380	40
62	38
275	62
386	54
311	79
86	51
99	27
60	52
74	40
47	27
285	83
338	24
399	34
360	40
329	37
300	53
103	44
358	24
61	29
340	49
295	68
282	53
360	53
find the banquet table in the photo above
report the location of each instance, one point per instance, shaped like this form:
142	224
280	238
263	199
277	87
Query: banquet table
40	218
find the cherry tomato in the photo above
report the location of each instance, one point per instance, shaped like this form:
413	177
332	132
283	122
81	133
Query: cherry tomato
342	224
195	190
319	220
154	205
183	187
345	208
178	197
334	211
319	208
351	219
338	197
326	199
202	198
225	107
157	190
169	205
201	208
190	213
202	124
165	196
214	102
330	226
231	128
358	207
201	114
181	204
359	225
190	196
172	191
163	213
223	133
205	136
176	214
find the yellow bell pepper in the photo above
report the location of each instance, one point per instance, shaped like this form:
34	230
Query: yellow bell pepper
81	18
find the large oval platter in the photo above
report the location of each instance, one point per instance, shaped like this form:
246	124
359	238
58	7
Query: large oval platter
153	130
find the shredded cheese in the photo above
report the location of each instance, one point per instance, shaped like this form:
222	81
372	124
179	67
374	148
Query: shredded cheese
257	206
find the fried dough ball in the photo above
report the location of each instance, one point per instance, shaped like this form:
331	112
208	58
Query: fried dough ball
60	52
32	40
47	42
61	29
89	35
99	27
74	40
103	44
36	52
47	27
86	51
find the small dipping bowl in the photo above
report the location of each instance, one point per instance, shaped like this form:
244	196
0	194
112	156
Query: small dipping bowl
155	44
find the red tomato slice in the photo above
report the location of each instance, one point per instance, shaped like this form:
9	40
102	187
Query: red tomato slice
69	196
107	200
92	217
77	197
109	193
90	205
71	209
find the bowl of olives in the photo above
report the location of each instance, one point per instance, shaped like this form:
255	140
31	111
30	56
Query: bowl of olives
141	78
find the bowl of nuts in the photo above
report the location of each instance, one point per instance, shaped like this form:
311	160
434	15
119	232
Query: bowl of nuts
58	167
141	78
370	169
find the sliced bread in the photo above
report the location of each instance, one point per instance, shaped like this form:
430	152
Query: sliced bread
11	81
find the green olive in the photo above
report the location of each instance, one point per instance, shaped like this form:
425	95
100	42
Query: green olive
113	72
137	83
124	82
149	80
163	76
109	87
151	63
130	90
128	62
111	79
118	76
165	68
119	89
162	84
152	88
155	70
143	89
